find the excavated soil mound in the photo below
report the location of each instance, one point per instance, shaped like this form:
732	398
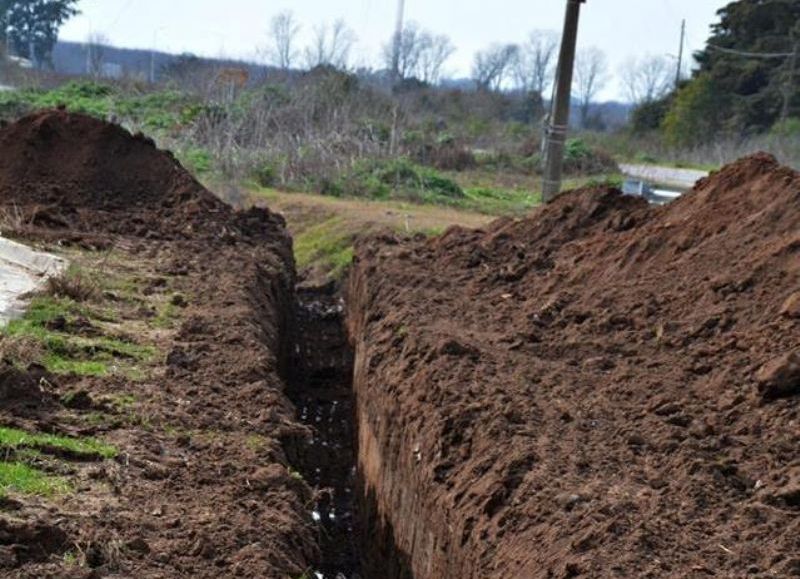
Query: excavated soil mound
604	389
68	171
201	486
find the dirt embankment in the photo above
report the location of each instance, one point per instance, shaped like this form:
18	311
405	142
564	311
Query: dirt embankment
604	389
203	487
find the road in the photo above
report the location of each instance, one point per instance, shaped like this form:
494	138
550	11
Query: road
669	176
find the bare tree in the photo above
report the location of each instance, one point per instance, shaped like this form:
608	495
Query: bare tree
534	68
436	49
283	34
331	45
493	65
646	79
96	45
409	49
591	76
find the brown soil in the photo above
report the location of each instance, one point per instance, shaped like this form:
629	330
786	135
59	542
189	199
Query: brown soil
604	389
202	486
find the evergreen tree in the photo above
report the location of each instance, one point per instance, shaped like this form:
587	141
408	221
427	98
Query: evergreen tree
746	79
32	26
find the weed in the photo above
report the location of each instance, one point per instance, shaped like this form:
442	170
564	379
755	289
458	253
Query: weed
295	474
256	442
74	284
72	559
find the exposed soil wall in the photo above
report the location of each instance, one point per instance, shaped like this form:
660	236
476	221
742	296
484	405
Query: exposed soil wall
604	389
204	488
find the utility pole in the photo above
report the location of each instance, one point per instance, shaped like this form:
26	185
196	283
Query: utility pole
680	55
559	116
398	41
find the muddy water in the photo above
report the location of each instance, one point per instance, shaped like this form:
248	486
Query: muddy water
320	385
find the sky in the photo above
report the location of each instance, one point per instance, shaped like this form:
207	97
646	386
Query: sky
239	28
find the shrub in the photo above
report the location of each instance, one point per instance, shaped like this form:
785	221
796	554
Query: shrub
788	128
197	160
266	175
398	178
581	159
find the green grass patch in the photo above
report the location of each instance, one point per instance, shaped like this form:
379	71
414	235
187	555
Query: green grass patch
167	314
12	438
500	201
21	478
65	353
327	245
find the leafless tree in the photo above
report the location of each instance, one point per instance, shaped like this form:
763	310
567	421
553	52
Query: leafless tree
647	78
435	50
591	76
409	49
283	34
534	68
493	65
331	45
96	45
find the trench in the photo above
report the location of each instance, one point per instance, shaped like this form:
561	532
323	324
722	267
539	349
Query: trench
320	384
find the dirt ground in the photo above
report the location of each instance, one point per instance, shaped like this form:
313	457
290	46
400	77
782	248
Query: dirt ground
200	486
605	389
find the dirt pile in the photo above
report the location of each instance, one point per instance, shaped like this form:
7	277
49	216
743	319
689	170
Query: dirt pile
603	389
201	486
69	171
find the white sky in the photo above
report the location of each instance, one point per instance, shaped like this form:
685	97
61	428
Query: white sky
238	28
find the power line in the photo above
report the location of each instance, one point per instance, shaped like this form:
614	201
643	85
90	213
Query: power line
745	54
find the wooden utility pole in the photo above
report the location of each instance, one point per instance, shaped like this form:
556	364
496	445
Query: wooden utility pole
559	115
680	56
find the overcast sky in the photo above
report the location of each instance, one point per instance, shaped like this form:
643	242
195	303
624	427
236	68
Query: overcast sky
238	28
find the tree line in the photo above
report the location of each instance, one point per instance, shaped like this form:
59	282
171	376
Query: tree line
745	82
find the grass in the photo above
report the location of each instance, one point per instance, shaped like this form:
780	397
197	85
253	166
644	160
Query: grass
167	314
12	439
328	245
325	227
493	201
21	478
65	353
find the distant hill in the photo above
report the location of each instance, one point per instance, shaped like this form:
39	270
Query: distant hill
70	58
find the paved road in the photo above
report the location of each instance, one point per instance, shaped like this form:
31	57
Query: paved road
678	178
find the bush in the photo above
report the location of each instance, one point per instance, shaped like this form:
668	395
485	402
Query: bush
266	175
398	178
197	160
581	159
692	116
788	128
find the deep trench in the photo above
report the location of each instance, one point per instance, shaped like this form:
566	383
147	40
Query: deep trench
321	388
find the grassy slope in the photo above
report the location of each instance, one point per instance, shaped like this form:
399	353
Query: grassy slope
325	228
